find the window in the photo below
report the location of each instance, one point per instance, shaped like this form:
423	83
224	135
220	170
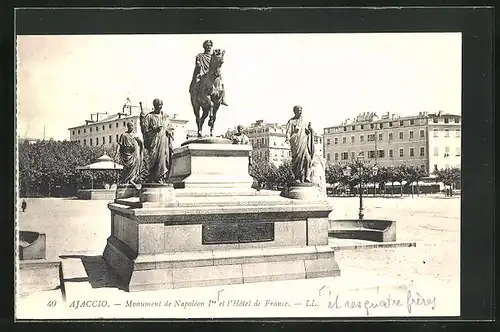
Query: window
90	129
353	128
457	151
90	142
362	126
109	140
344	140
345	128
352	139
446	151
412	152
411	134
457	120
435	133
117	138
97	141
371	154
362	138
344	156
110	126
390	136
103	140
401	123
446	133
327	141
336	156
124	123
381	125
371	137
361	154
328	157
391	154
434	120
422	152
412	122
381	153
422	134
353	155
436	152
457	132
73	132
117	125
102	127
372	126
401	152
96	128
336	140
446	120
401	135
390	124
78	131
380	137
275	143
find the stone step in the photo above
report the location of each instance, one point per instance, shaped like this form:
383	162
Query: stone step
356	244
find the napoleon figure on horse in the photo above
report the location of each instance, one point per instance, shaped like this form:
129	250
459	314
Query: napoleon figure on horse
207	89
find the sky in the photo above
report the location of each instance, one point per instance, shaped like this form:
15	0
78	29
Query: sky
62	79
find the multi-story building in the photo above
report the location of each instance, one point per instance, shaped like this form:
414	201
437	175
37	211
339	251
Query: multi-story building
428	141
104	129
268	141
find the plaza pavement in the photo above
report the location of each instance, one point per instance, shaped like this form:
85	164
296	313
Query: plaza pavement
433	221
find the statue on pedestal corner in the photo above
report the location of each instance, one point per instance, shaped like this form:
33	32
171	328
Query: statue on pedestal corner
157	131
129	151
301	139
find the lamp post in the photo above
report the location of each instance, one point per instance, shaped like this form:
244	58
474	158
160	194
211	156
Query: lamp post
358	164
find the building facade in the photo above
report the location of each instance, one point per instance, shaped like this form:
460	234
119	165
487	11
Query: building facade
104	129
429	141
268	142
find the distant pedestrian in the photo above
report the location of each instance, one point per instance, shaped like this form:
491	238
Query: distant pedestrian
23	205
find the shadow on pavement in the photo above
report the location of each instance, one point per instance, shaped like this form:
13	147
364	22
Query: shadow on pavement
99	273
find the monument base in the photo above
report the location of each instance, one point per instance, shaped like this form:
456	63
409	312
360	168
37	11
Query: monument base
202	241
157	193
126	191
303	191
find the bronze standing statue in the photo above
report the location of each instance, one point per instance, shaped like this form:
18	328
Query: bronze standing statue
301	141
129	150
157	131
206	88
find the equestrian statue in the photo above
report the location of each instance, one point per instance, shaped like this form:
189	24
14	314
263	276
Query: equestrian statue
206	88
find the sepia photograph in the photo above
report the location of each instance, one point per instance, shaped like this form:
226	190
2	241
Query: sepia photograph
238	175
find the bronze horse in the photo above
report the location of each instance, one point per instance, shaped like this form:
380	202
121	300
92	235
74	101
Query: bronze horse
207	93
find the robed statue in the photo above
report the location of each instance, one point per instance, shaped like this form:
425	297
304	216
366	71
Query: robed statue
129	151
301	139
157	132
206	88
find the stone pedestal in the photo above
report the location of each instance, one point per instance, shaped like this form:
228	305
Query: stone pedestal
303	191
126	191
157	193
202	165
214	234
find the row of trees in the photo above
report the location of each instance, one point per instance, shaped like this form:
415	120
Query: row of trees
49	166
270	176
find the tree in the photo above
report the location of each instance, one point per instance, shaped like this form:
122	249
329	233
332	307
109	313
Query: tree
448	176
399	174
48	165
333	173
383	176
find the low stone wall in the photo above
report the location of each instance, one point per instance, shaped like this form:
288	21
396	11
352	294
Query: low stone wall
99	194
366	229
